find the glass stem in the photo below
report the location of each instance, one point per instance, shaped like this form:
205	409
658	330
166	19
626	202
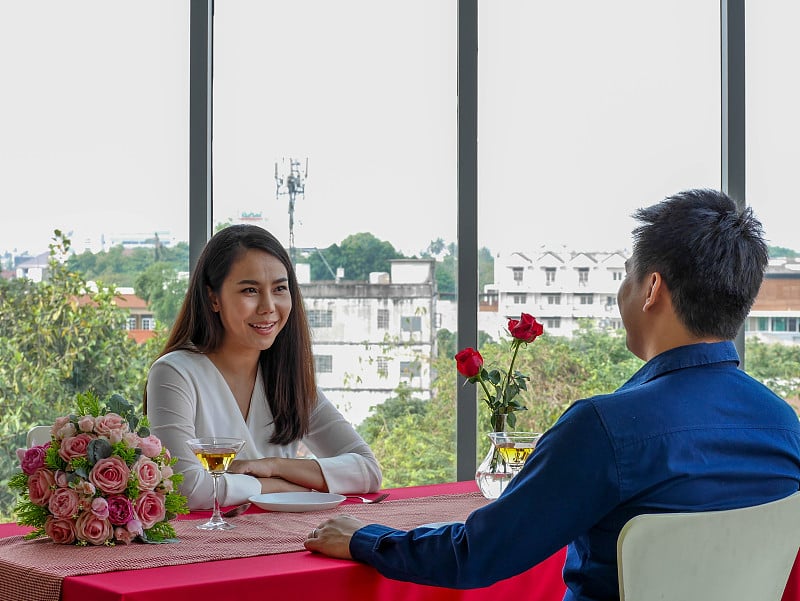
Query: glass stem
215	516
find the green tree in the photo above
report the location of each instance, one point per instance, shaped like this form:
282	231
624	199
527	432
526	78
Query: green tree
776	365
57	338
162	288
358	254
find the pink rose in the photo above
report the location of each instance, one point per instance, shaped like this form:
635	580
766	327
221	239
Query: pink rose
151	446
61	530
147	472
120	510
40	486
58	425
132	440
85	488
110	423
86	423
100	507
166	486
92	529
110	475
32	459
121	535
61	479
74	446
134	527
64	503
150	508
166	472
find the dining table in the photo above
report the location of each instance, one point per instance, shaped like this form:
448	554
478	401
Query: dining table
221	571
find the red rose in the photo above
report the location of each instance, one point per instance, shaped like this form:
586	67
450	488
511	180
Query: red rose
526	328
469	362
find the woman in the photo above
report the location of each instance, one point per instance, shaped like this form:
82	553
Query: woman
238	363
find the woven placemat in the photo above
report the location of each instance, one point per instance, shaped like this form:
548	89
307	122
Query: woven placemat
39	565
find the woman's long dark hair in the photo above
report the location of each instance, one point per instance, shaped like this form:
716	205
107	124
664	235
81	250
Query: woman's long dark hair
287	366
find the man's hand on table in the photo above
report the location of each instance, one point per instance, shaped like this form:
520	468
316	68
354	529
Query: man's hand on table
332	537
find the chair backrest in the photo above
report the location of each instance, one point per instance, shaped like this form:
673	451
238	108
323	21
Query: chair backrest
38	435
733	555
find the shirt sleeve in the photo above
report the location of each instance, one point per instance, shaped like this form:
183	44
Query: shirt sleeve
175	416
347	462
569	482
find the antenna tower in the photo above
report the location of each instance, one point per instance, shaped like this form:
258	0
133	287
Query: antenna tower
289	179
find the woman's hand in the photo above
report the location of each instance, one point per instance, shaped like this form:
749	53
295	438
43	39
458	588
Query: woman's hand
332	537
260	468
301	474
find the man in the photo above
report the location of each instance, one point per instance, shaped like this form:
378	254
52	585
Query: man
688	432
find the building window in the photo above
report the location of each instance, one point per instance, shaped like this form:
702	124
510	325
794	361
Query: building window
616	275
611	301
517	271
778	324
148	323
552	322
383	367
549	275
585	299
383	319
583	275
131	323
519	299
411	323
320	318
791	324
763	324
553	299
409	369
323	364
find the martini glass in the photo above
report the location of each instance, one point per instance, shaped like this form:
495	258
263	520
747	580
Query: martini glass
215	454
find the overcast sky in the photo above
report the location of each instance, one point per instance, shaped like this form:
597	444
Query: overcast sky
587	111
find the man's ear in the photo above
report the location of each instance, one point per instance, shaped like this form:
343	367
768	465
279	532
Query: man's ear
656	288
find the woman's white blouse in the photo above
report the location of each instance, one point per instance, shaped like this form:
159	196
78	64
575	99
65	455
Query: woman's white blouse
187	397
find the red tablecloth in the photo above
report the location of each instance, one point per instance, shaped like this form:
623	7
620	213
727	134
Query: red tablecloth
308	576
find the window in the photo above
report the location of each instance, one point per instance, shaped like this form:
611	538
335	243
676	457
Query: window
617	275
383	319
553	299
585	299
320	318
778	324
583	275
611	301
552	322
791	324
519	299
549	275
148	323
763	324
409	369
411	323
518	272
131	323
383	367
323	364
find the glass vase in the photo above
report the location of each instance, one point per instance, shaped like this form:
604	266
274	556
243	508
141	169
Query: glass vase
507	454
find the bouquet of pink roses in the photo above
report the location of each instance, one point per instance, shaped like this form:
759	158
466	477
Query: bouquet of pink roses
102	479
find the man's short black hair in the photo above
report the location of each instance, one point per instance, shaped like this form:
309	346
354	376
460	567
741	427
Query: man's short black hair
711	257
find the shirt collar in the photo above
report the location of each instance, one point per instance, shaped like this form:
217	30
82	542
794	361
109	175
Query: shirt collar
692	355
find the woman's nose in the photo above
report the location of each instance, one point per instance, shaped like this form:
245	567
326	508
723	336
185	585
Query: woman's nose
267	304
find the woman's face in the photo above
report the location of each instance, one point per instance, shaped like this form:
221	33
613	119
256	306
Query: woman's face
253	302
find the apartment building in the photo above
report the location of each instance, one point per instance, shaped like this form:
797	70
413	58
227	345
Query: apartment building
559	287
775	315
369	336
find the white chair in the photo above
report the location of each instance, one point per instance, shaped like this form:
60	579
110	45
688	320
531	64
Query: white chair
37	435
734	555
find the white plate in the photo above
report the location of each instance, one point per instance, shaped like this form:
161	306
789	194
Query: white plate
297	501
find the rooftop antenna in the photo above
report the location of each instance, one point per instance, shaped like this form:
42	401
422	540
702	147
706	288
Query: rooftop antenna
290	180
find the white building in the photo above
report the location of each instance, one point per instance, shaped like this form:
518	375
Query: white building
775	315
559	288
368	337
